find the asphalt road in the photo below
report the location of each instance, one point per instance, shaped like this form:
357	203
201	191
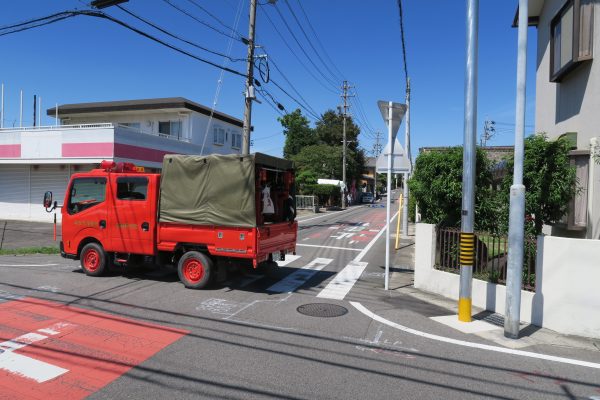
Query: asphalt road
246	339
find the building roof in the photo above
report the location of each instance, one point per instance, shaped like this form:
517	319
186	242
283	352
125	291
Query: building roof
140	105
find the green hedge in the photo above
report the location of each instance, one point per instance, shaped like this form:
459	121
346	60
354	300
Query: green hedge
327	194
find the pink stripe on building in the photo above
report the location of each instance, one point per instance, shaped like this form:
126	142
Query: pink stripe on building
87	149
139	153
10	150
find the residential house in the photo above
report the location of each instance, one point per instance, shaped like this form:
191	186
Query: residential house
36	159
567	92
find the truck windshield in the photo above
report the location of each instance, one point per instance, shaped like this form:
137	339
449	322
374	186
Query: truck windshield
86	193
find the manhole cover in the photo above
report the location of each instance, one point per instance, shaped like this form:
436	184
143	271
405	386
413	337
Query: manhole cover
324	310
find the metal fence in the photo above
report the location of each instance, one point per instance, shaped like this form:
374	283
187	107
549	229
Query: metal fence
491	256
307	203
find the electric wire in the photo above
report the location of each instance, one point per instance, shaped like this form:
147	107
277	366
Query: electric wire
403	43
206	24
314	115
327	79
224	25
310	42
221	76
294	53
178	37
310	26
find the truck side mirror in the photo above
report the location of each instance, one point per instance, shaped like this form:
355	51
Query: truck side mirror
47	199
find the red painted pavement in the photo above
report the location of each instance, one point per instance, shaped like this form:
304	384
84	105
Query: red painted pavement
96	348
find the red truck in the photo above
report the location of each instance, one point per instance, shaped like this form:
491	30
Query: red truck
200	214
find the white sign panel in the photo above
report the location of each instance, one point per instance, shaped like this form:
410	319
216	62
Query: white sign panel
400	161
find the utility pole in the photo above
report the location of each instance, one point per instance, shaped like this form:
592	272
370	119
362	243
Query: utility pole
407	150
345	107
467	237
489	129
249	82
376	152
514	278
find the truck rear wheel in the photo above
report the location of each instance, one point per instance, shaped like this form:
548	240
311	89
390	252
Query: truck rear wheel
93	259
195	270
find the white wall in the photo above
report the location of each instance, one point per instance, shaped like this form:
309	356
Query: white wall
567	278
568	295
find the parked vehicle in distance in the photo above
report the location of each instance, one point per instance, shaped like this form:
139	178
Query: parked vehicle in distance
200	214
367	197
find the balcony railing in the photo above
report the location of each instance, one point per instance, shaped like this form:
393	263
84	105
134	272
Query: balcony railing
92	126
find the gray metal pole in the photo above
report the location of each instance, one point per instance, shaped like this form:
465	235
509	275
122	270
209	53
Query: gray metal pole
407	150
516	222
344	204
468	191
249	82
389	197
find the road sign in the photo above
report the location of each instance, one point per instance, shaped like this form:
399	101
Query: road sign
52	351
398	111
400	163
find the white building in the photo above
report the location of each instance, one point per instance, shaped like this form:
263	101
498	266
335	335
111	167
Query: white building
567	98
36	159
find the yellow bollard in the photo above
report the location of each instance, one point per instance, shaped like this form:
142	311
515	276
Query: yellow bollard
400	201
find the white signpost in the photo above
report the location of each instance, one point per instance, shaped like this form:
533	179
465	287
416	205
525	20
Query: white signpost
392	114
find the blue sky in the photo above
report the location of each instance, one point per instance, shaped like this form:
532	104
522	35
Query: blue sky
85	59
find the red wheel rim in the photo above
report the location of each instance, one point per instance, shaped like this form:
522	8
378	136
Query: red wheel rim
193	270
91	260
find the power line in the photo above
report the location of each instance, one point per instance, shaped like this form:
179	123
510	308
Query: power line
99	14
266	14
203	22
224	25
317	37
403	44
178	37
309	41
327	79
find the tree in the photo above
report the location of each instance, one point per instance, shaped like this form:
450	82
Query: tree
330	129
436	185
298	133
550	181
321	160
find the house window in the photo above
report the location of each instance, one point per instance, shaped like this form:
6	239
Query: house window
219	135
236	140
132	125
571	37
169	128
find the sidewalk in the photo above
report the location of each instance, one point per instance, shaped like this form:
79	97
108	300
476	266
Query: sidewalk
18	234
402	282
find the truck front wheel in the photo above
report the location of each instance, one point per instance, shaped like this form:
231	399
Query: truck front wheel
93	259
195	270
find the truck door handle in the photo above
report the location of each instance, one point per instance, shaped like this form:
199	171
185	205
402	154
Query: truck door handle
145	226
102	224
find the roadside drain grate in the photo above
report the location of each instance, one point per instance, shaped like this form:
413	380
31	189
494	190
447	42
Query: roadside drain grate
323	310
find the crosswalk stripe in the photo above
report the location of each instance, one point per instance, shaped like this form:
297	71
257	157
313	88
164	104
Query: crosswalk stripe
296	279
289	258
339	286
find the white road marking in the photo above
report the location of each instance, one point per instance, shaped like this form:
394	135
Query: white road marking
464	343
296	279
52	289
289	258
28	367
343	235
339	286
372	242
328	247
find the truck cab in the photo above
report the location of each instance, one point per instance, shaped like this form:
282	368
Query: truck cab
114	206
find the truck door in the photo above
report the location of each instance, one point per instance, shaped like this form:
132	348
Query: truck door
84	212
132	219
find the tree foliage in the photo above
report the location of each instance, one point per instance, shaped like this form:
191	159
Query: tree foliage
298	133
550	181
318	151
436	185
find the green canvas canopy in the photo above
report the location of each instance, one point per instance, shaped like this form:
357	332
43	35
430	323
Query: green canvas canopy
214	189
